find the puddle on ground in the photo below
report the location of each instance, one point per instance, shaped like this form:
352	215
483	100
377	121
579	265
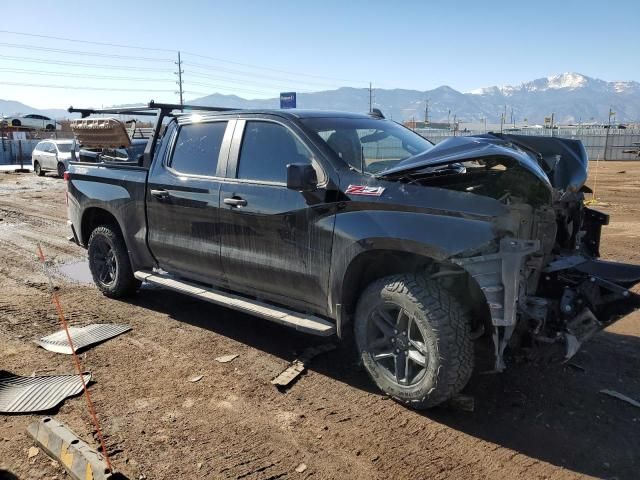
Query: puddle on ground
79	272
76	271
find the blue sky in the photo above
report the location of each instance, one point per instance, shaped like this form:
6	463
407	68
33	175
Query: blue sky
259	48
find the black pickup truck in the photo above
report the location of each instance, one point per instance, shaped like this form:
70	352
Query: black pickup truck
334	222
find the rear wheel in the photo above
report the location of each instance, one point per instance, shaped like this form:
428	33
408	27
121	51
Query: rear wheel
414	340
61	169
37	169
109	263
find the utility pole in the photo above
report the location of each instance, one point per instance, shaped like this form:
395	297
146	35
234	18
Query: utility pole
370	98
179	82
606	137
426	112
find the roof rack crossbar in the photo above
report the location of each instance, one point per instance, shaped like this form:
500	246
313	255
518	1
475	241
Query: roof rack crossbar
158	110
151	109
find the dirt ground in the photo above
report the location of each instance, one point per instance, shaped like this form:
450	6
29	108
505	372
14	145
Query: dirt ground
533	421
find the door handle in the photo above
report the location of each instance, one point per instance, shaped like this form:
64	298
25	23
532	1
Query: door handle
235	202
160	194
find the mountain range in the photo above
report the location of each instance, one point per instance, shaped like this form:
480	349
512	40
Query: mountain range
572	97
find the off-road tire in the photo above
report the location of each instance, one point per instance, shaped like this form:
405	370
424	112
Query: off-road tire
444	325
37	169
61	169
124	283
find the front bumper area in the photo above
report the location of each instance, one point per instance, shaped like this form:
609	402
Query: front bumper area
575	297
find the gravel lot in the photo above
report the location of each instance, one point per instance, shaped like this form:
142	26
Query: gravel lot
534	421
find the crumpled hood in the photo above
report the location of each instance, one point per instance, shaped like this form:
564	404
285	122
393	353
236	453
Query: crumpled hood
559	162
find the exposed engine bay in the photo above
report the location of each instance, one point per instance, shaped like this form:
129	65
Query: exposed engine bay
544	283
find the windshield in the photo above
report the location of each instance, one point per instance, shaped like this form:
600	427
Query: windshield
64	147
369	145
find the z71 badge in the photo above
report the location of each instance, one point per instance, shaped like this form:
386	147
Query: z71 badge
364	190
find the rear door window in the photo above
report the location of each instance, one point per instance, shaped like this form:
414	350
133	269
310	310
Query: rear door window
197	148
266	150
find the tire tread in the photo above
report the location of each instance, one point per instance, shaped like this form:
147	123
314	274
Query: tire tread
448	320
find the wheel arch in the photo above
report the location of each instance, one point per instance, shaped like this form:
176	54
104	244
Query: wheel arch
371	265
94	217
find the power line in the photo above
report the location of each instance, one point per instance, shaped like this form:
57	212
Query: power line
245	82
81	52
89	42
255	74
84	75
79	64
248	65
75	87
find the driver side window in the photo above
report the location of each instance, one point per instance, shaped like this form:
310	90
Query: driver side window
267	149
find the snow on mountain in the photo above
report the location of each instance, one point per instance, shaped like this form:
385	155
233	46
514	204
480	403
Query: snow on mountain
570	96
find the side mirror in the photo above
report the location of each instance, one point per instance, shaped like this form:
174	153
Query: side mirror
301	177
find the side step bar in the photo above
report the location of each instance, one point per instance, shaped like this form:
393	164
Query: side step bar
299	321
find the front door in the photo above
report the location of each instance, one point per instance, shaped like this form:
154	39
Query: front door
183	196
276	242
49	156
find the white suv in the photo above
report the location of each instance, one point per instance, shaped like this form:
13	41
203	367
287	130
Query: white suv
52	156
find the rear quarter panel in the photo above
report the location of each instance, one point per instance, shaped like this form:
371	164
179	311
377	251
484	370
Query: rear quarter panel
118	190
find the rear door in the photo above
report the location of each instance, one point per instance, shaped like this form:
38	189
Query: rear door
276	242
183	194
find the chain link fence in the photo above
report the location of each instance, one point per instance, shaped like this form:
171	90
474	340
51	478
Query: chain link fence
600	143
17	151
603	144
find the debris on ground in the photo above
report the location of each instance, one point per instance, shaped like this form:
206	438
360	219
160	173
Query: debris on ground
33	451
36	394
81	337
298	366
620	396
77	457
197	378
227	358
301	468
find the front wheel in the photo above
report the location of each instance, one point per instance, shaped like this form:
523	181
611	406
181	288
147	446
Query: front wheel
414	340
37	169
109	263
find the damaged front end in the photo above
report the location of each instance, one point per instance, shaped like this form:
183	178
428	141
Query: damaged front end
544	283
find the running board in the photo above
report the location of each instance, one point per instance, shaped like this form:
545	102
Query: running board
300	321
